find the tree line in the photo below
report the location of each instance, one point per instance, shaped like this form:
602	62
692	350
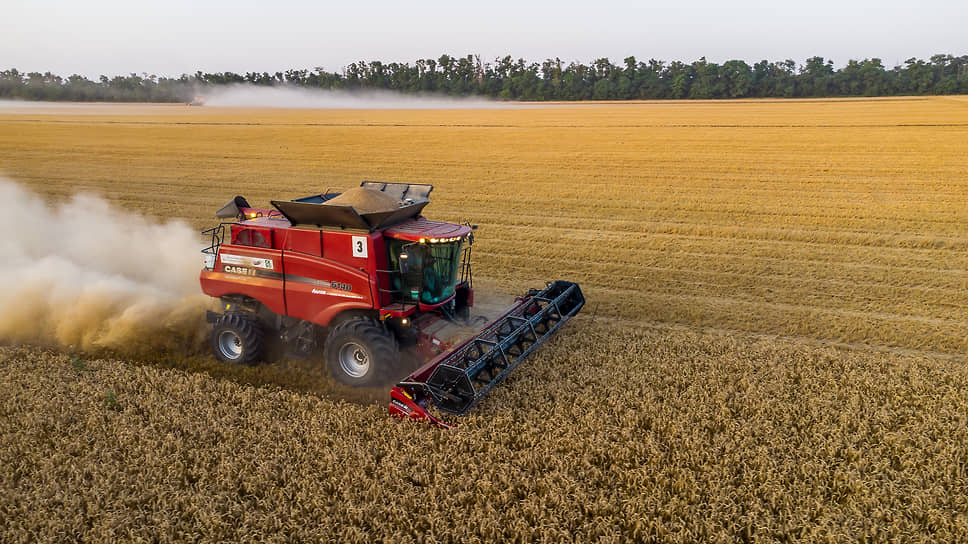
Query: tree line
552	79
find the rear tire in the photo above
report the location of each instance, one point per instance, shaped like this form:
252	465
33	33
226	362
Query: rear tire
361	352
237	339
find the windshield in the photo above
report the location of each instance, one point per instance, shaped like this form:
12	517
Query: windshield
428	272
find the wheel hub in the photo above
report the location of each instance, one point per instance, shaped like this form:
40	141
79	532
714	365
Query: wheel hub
354	360
230	344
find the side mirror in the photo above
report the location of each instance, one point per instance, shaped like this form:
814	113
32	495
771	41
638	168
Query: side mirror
404	262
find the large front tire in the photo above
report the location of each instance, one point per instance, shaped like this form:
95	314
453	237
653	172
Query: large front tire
237	339
362	353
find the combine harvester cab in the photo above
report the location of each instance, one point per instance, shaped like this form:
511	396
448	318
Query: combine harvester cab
362	274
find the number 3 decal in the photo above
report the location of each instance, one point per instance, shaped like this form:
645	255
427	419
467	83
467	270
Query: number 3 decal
359	246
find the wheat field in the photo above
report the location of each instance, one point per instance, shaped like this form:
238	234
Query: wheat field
773	347
835	220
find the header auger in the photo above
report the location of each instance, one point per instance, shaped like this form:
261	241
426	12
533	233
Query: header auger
363	275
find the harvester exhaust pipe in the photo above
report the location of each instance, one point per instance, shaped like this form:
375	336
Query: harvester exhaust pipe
457	380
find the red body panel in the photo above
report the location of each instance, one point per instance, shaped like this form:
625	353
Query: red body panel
307	241
317	289
314	274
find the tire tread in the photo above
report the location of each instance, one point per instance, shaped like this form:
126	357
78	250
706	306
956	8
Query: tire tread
247	328
382	344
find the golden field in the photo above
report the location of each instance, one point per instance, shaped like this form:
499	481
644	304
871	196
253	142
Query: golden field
834	220
773	347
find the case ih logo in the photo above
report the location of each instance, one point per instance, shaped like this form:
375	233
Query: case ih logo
239	270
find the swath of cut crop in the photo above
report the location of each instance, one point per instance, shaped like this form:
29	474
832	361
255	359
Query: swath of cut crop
84	274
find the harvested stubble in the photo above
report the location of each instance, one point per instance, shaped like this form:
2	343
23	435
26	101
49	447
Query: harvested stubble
838	220
614	434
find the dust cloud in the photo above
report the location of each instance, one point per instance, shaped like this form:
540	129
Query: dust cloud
256	96
82	274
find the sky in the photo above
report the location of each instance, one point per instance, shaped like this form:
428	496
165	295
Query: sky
112	37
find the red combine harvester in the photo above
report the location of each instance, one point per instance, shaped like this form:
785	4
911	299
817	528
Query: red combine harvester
364	275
